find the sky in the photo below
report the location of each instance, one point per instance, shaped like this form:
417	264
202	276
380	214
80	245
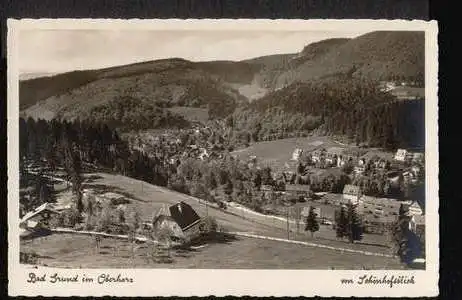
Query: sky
57	51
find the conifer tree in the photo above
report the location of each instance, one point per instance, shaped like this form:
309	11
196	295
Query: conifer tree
354	228
407	244
312	223
341	222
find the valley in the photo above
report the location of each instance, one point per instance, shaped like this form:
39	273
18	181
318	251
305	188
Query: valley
298	160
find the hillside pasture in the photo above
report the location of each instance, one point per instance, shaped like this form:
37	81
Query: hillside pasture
277	154
79	251
193	114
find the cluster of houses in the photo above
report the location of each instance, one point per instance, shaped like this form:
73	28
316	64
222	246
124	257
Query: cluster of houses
383	210
331	157
172	146
404	155
409	162
403	90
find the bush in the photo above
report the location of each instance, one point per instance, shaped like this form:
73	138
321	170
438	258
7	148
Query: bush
119	201
28	257
209	225
56	220
105	219
71	217
79	227
90	222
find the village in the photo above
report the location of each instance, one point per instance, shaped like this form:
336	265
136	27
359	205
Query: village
285	202
300	192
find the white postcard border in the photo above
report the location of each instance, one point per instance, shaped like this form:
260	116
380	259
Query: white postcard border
193	282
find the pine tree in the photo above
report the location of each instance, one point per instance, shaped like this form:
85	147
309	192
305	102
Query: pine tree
354	228
341	222
406	242
312	223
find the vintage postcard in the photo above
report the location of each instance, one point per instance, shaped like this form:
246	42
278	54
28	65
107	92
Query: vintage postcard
222	157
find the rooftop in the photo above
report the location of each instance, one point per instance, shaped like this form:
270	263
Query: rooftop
42	208
351	190
297	187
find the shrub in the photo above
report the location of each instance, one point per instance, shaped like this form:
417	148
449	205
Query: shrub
28	257
209	225
71	217
105	219
56	220
90	222
79	227
119	201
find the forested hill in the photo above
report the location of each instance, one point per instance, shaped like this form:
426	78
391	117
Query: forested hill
346	106
380	55
220	87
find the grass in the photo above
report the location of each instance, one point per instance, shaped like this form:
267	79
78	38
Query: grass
193	114
75	251
147	199
150	198
277	154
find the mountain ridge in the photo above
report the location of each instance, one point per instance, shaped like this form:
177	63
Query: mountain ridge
221	86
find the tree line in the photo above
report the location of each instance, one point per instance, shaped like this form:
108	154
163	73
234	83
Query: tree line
80	145
353	107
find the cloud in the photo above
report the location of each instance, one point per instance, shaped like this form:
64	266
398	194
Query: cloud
66	50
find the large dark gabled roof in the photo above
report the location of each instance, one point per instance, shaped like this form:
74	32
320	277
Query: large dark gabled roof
183	214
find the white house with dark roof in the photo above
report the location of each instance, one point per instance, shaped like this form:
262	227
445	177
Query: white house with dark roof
297	153
414	208
351	193
360	169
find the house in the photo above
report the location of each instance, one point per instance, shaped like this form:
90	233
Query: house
351	193
417	224
332	155
38	218
266	188
289	176
317	155
181	221
381	164
417	157
298	190
408	93
385	208
401	155
413	208
359	169
166	222
386	86
416	171
296	154
187	218
203	154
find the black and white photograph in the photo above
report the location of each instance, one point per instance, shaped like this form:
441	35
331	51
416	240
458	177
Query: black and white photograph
223	146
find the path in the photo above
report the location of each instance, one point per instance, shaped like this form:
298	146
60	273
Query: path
368	253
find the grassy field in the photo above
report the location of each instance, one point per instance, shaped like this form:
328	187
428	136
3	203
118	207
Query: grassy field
147	199
191	113
78	251
278	153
